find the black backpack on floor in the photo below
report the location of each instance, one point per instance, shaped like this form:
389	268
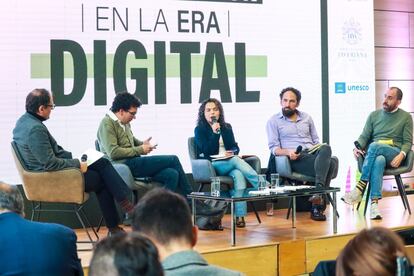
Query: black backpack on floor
212	222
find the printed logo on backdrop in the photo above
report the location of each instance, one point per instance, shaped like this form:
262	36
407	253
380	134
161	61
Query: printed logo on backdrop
342	87
231	1
352	32
352	35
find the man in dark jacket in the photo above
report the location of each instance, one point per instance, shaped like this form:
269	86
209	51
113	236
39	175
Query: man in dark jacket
40	152
33	248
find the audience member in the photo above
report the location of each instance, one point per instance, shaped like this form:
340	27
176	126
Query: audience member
33	248
125	255
40	152
374	252
213	136
165	218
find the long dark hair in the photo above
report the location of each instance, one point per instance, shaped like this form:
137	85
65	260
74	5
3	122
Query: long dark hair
201	120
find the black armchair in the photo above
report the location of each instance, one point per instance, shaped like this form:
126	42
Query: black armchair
203	170
405	167
284	169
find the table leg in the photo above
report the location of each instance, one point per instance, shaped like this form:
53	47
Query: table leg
293	211
335	218
194	210
233	228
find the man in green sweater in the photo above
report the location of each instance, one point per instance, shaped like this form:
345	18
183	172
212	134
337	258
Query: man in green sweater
388	136
119	144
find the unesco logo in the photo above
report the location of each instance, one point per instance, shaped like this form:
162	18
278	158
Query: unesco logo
231	1
342	87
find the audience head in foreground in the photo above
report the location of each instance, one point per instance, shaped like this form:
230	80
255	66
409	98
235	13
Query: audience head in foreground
377	252
125	254
33	248
165	218
10	199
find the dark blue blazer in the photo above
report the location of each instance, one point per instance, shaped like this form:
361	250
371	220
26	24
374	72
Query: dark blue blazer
207	142
34	248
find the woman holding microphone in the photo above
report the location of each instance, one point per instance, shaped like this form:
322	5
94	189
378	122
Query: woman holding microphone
213	136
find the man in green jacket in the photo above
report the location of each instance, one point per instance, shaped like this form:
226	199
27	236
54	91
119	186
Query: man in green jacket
388	136
119	144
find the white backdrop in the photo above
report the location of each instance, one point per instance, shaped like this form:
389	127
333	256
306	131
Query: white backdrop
284	34
351	80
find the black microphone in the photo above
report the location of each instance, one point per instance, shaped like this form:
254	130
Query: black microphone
84	158
214	120
298	149
358	145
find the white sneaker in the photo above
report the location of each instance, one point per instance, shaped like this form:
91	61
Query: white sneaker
352	197
375	213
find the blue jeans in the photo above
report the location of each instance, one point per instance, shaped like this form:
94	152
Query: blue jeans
166	169
241	172
376	159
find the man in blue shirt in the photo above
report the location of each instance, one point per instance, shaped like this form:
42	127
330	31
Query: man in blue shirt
291	128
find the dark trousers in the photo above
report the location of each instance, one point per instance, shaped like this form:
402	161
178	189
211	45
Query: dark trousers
102	179
318	164
166	169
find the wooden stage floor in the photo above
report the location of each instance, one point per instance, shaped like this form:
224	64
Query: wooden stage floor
277	229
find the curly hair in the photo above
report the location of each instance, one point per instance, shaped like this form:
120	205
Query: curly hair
125	101
201	120
293	90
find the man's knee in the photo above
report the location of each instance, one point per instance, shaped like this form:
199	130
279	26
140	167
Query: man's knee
101	163
172	159
169	177
373	147
380	161
326	149
173	174
169	173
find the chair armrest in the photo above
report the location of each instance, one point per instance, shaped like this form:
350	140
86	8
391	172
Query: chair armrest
405	167
335	160
125	173
202	170
254	162
283	166
65	186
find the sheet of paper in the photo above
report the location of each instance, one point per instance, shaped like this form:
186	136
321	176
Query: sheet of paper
92	155
220	157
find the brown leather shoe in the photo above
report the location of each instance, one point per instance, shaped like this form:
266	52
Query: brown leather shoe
240	223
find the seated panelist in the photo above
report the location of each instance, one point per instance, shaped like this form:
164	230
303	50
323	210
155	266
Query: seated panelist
291	130
120	145
214	136
41	152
